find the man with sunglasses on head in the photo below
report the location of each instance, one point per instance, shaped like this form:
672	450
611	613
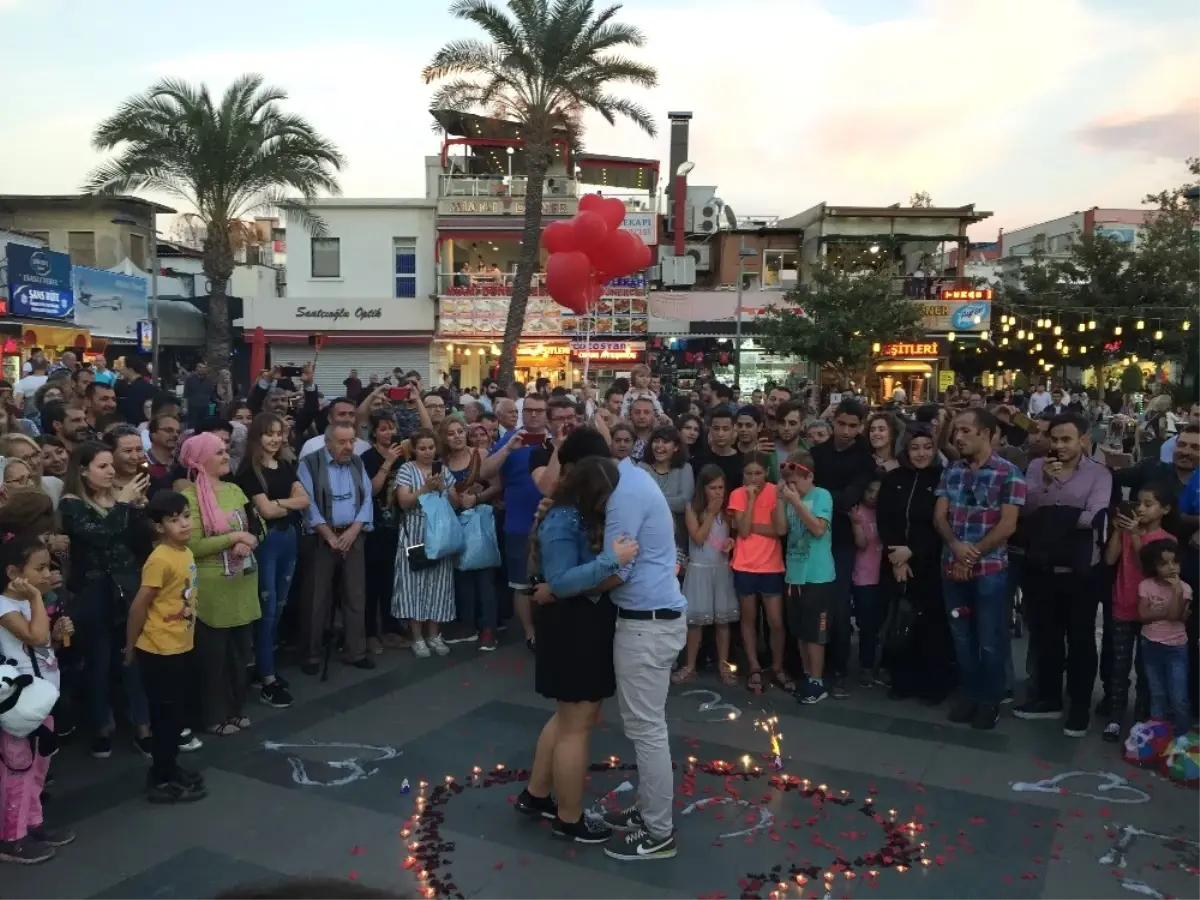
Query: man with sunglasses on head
979	500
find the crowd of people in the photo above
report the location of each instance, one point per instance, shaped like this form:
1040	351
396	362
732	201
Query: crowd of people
159	550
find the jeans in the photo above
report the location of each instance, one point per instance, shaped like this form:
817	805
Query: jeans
102	642
1062	612
276	566
167	679
981	633
868	613
838	661
1167	674
475	595
643	652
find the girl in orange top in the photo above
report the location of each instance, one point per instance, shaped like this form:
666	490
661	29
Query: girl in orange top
758	566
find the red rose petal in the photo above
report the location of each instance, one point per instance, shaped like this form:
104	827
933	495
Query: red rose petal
357	850
498	866
977	820
1007	879
353	876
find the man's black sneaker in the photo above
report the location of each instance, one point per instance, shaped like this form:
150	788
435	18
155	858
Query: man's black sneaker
963	711
174	792
52	837
811	691
1076	725
639	845
145	746
1038	709
188	777
256	680
536	807
25	852
276	695
627	819
585	831
1104	707
986	716
102	747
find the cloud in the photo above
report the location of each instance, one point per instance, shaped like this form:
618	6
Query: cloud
1170	135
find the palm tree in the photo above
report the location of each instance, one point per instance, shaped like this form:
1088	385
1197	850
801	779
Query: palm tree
544	64
226	159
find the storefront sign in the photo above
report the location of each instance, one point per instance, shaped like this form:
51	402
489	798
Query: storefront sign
945	380
503	206
911	350
643	224
541	350
39	283
609	351
338	313
974	315
965	294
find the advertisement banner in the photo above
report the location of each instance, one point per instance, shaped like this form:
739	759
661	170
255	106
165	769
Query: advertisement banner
109	304
643	224
953	315
39	283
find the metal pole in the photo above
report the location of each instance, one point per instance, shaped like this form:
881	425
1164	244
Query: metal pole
154	301
737	340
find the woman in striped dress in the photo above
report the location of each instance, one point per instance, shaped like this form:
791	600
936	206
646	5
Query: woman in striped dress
424	598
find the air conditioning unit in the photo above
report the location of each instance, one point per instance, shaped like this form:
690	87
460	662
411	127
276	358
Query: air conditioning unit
701	254
705	218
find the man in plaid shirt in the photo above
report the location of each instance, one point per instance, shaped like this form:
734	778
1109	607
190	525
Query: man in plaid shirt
978	502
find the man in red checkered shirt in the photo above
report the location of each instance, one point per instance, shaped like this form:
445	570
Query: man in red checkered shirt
978	502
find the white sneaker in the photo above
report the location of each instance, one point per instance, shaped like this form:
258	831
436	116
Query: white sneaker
420	650
438	644
188	742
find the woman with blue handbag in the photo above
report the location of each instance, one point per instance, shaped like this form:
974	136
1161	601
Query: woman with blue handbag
475	569
423	592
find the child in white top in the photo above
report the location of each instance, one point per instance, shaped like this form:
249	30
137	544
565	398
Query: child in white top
639	389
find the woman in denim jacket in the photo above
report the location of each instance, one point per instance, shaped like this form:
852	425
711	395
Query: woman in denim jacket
574	639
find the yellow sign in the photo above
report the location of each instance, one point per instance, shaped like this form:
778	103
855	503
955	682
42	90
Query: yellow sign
945	380
543	350
911	350
503	206
961	294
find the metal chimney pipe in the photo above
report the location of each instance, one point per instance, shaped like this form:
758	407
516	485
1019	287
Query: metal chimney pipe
680	127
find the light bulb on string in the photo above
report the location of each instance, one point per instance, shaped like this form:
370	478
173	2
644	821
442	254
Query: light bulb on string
1082	327
1058	329
985	335
1005	327
1003	342
1186	326
1004	320
1083	350
1158	335
1139	324
1058	344
1134	358
1117	331
1038	346
950	337
1091	325
1021	335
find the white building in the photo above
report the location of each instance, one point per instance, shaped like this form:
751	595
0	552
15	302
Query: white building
361	296
1054	238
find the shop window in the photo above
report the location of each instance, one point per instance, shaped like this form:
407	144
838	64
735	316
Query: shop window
405	251
137	250
327	257
82	247
780	269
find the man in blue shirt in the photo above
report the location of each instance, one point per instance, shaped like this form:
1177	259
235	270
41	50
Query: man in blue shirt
651	630
340	511
514	458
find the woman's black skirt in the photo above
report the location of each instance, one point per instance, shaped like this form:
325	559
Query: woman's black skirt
574	649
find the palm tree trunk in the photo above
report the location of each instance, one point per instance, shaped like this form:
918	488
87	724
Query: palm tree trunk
218	269
537	160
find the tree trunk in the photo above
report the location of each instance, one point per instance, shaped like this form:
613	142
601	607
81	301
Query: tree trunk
218	269
537	160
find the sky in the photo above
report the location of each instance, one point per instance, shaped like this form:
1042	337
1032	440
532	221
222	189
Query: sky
1030	109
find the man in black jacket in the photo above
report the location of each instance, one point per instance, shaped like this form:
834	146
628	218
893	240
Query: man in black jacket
843	465
135	389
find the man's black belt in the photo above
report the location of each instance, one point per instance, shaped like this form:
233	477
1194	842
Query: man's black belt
644	615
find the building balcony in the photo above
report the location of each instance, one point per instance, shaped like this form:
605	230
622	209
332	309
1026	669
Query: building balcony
929	288
484	186
500	284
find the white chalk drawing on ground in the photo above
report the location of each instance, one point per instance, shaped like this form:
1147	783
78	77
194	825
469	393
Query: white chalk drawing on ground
353	768
1109	787
766	818
1124	837
715	704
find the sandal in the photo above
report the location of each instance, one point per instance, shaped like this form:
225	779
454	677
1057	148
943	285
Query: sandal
225	729
727	674
754	683
239	722
783	680
683	675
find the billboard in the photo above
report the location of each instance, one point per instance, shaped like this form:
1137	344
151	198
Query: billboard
109	304
39	282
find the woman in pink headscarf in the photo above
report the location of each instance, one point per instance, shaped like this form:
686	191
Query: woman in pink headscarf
223	543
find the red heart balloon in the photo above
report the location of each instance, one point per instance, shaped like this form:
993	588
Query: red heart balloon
557	237
589	231
568	276
590	203
612	210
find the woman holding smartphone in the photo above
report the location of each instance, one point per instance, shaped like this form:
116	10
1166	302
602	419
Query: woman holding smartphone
423	592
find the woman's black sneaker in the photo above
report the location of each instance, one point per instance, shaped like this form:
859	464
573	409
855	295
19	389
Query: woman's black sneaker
25	852
585	831
101	747
536	807
52	837
276	694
